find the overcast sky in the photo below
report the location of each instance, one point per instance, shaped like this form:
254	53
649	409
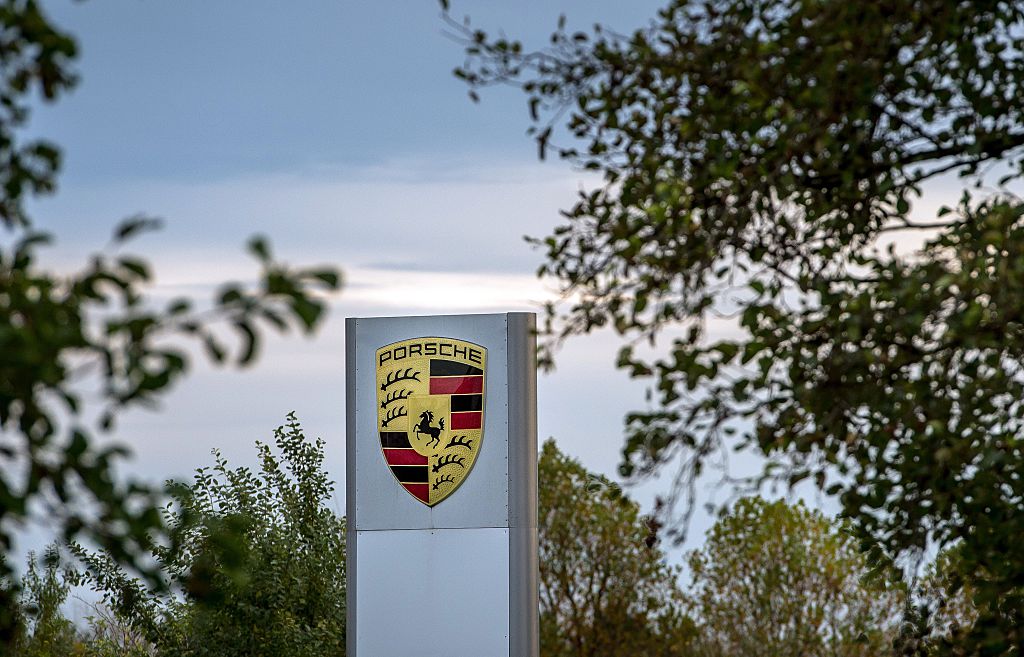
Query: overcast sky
336	128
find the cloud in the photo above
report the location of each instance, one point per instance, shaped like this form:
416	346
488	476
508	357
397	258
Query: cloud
434	216
445	291
411	237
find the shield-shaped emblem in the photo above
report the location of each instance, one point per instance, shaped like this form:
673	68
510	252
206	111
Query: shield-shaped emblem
430	413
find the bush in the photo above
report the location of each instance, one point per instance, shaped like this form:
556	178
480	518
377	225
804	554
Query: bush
258	565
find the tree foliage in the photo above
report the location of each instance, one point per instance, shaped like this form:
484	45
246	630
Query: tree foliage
260	568
109	635
41	627
604	590
943	612
758	156
775	580
68	337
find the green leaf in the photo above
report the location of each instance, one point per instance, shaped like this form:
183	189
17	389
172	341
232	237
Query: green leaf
250	342
134	226
259	247
135	266
214	350
307	311
329	277
727	349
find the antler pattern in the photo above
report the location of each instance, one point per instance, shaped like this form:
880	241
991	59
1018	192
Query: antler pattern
445	479
449	459
393	415
408	374
460	441
398	395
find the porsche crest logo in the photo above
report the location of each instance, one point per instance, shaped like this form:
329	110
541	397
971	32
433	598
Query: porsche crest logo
430	413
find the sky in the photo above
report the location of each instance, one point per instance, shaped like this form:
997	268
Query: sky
337	129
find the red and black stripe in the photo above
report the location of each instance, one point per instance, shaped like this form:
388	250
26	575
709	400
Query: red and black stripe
465	384
408	466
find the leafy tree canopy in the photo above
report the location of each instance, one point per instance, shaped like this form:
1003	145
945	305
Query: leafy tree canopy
943	611
41	630
604	586
260	569
92	333
756	157
779	580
